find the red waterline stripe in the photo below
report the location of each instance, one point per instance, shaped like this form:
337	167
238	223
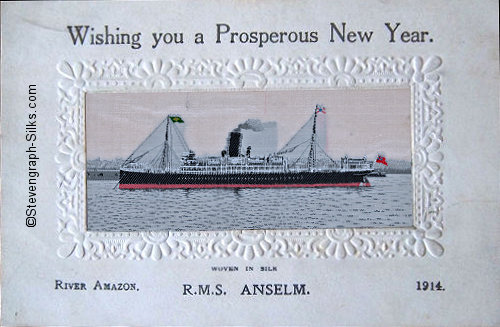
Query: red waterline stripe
170	186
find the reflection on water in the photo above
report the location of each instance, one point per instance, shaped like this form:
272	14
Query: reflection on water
387	203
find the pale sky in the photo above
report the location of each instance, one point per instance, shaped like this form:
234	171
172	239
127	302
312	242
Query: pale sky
358	121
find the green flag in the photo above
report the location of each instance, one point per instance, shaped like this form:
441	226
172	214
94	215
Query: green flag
176	119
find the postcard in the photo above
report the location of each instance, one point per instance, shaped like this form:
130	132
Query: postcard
238	163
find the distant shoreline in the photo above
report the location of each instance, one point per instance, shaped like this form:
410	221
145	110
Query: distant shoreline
94	174
103	174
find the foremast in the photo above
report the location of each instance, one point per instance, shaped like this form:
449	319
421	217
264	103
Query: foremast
166	155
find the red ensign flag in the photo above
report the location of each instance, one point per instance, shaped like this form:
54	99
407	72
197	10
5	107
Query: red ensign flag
382	160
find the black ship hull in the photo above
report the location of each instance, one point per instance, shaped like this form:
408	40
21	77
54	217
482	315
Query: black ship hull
148	180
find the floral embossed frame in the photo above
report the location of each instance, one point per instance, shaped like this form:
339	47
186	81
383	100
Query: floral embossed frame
422	74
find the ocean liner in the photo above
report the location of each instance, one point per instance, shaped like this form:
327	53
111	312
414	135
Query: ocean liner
157	165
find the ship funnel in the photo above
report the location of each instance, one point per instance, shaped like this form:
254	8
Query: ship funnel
234	143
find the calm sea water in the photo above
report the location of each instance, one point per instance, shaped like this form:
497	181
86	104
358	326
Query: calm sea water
387	203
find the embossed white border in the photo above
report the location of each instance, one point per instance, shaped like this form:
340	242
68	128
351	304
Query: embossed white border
422	74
